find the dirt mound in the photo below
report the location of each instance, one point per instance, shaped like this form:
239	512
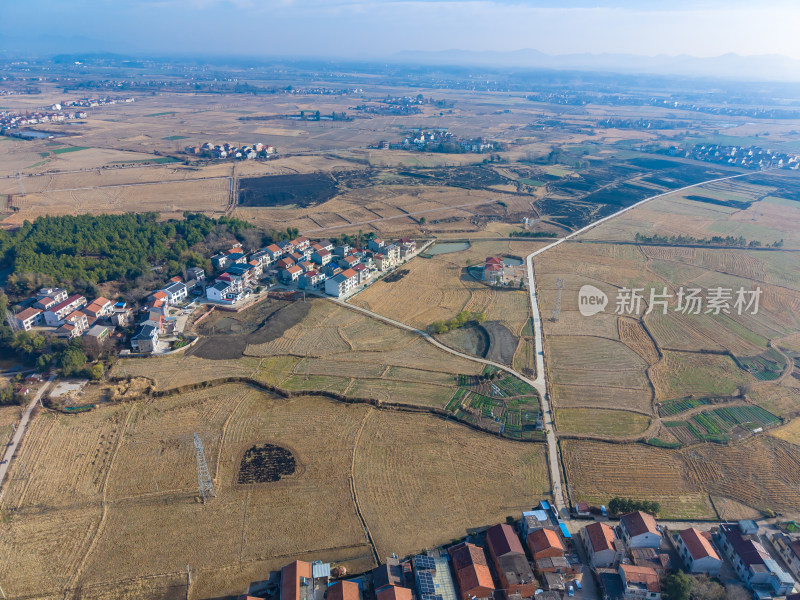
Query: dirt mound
233	333
472	339
502	343
266	463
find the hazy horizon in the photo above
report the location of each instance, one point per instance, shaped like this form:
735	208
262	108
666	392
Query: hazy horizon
387	30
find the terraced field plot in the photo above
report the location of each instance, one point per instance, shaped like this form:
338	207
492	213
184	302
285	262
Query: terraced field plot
330	349
611	423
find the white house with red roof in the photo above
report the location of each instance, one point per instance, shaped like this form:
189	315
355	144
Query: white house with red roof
639	530
696	551
28	318
493	268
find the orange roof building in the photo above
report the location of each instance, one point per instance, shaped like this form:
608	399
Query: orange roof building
394	592
344	590
640	580
545	543
472	571
291	579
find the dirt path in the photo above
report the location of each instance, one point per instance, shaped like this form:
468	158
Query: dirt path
104	499
19	435
353	491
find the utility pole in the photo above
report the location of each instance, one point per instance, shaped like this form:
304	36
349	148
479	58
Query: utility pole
556	312
204	484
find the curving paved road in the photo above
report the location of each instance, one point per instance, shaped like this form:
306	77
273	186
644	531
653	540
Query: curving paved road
20	433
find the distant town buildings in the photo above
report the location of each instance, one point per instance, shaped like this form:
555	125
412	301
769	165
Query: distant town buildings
440	140
231	151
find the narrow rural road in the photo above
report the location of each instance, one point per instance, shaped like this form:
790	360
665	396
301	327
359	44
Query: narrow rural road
540	383
20	433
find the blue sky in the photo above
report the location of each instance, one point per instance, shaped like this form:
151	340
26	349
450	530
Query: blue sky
380	28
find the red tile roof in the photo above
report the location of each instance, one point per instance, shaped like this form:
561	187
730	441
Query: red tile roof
474	578
349	273
71	300
28	313
294	269
544	539
642	575
494	260
343	590
465	554
290	579
638	523
160	295
697	544
394	592
502	540
601	536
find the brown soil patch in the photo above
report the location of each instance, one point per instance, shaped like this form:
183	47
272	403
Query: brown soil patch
232	335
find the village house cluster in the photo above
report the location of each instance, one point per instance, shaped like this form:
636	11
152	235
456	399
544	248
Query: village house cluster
538	557
224	151
10	120
53	310
304	264
155	315
439	140
638	553
746	157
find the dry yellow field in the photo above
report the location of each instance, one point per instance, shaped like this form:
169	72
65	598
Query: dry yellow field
611	423
438	288
9	415
761	472
105	521
682	374
406	464
332	349
597	471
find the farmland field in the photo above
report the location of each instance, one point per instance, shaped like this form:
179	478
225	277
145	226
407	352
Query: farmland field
611	423
758	473
105	519
596	472
331	348
438	288
407	462
693	411
684	374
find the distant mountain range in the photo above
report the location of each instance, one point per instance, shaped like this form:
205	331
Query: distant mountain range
766	67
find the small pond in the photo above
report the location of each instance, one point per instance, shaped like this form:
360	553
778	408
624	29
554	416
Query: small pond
446	248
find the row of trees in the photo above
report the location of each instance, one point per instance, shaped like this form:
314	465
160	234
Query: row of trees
459	320
621	506
80	251
717	240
